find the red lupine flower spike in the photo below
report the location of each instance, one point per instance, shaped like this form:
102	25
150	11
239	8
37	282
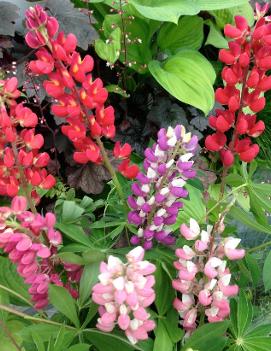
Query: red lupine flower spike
123	151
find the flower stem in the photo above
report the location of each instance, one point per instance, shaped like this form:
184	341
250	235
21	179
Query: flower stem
259	247
111	170
12	292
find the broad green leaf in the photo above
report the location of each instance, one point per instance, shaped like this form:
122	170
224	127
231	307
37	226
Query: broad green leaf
234	180
45	331
64	303
244	314
247	219
215	36
188	76
171	10
162	339
188	34
71	212
109	50
208	337
88	279
225	15
109	342
262	198
136	54
74	232
163	290
267	272
79	347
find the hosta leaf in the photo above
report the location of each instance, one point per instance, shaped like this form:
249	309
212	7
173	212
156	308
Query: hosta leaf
187	34
215	36
188	76
171	10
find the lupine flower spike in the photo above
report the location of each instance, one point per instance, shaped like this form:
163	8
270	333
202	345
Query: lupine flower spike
157	193
78	98
203	276
124	292
245	81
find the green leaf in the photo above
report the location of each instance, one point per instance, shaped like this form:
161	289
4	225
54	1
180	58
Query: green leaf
208	337
247	219
71	258
225	16
215	36
74	232
267	272
171	10
109	342
254	269
79	347
187	34
64	303
4	300
110	50
163	290
173	326
244	314
88	279
38	341
262	198
257	343
71	211
188	76
234	180
261	330
162	340
194	207
114	88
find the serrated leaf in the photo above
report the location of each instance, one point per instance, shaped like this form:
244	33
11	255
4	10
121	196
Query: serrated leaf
187	34
64	303
8	15
188	76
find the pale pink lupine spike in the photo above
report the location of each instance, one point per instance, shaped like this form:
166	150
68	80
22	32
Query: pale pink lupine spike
125	290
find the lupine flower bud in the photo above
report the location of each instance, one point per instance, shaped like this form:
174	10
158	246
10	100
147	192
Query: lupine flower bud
156	194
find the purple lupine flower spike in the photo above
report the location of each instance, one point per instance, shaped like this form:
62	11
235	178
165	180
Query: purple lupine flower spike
156	194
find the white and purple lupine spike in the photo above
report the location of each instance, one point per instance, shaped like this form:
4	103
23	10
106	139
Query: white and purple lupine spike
156	194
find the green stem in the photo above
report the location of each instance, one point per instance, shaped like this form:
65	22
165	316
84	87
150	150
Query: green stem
15	294
259	247
31	318
9	335
111	170
224	198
